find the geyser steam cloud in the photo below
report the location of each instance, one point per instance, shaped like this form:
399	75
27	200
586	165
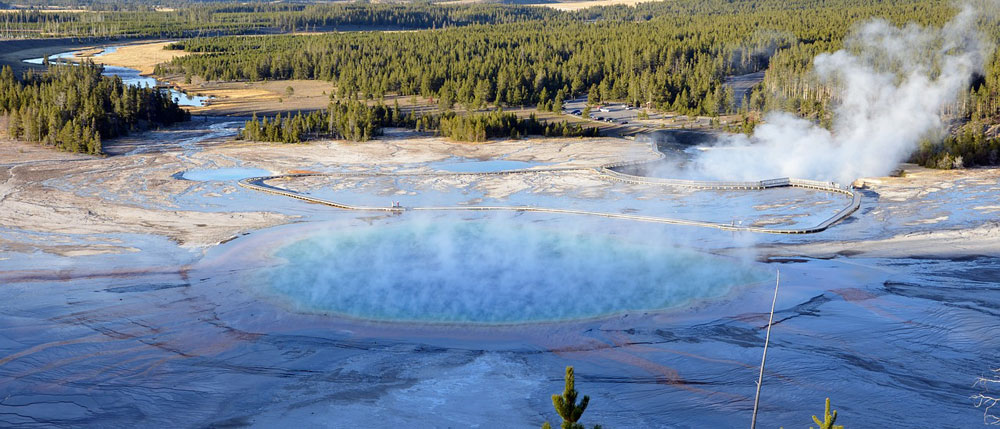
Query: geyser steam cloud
892	84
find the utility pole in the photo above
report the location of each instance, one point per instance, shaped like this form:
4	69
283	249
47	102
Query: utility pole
763	358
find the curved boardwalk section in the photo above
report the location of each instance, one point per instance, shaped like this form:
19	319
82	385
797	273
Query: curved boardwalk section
259	184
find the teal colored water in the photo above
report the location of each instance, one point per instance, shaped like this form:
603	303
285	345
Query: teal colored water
492	272
223	174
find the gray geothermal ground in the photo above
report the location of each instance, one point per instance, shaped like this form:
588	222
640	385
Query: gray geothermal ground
148	289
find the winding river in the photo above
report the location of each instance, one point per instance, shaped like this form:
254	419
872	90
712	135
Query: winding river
129	76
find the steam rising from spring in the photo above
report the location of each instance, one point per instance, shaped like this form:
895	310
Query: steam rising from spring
496	271
892	84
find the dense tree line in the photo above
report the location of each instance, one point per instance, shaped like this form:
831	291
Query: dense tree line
670	55
351	120
789	85
75	108
358	121
287	129
123	5
969	148
254	17
482	126
517	64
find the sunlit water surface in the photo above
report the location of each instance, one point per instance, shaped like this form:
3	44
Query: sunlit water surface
129	76
486	272
223	174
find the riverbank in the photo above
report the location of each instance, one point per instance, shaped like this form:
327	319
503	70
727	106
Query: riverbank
142	56
14	52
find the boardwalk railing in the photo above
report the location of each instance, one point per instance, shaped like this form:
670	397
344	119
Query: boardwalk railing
259	184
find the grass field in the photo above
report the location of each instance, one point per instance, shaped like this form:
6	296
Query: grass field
141	56
269	97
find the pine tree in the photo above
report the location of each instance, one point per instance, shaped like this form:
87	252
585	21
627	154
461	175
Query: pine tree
14	126
557	102
445	99
828	419
593	96
566	405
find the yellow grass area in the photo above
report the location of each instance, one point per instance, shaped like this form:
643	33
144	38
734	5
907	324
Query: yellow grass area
262	97
141	56
235	99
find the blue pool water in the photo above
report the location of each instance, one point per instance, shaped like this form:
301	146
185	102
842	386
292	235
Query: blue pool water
223	174
492	272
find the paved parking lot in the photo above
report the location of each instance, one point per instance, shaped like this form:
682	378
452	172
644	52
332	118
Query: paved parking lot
624	120
616	113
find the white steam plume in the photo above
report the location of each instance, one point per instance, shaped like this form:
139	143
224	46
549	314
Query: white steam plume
893	84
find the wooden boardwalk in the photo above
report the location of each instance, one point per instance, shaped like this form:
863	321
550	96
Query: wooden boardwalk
259	184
